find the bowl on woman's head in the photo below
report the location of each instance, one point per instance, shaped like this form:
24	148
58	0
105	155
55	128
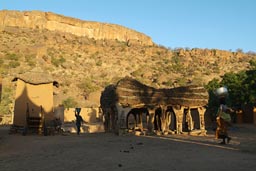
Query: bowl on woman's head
221	92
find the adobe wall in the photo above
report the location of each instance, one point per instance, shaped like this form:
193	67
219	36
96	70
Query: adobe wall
90	115
32	97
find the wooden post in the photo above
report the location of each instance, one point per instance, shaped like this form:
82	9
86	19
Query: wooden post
189	120
201	111
165	119
178	111
151	119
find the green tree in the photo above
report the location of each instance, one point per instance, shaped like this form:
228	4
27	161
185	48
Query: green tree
213	99
239	50
241	88
252	64
250	87
237	89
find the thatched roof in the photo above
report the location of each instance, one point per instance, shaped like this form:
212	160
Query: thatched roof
36	77
108	97
131	92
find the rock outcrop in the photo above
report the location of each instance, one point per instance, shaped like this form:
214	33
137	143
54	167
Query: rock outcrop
55	22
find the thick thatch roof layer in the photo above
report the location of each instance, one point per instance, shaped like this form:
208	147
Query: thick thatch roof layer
108	97
133	93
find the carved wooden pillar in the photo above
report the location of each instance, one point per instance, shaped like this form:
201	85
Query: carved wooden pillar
140	124
168	121
114	119
107	119
165	119
147	120
178	111
150	121
121	113
122	119
201	111
189	120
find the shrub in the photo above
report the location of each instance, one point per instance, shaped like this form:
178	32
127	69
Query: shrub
69	103
6	100
99	63
1	62
142	51
239	50
58	61
137	73
12	56
87	85
181	81
30	60
14	64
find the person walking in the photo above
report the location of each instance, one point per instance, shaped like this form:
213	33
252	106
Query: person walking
223	120
79	120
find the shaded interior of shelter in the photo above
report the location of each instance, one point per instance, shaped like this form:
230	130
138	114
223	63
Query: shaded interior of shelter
140	115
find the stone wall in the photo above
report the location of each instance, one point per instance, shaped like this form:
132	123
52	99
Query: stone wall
55	22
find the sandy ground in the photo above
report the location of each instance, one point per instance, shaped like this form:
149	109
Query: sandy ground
106	151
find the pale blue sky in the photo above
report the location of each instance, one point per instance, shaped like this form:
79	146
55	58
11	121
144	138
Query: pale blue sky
220	24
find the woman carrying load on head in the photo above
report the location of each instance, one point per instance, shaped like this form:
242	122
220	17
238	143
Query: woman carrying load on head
79	120
223	120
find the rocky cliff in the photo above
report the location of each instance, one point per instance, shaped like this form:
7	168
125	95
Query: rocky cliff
55	22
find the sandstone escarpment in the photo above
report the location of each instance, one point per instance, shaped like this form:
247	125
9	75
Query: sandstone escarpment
55	22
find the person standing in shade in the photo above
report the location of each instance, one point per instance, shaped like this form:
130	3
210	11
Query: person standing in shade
79	120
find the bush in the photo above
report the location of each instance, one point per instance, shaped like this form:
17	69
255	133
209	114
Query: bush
58	61
30	60
69	103
137	73
1	62
14	64
99	63
6	100
87	85
12	56
239	50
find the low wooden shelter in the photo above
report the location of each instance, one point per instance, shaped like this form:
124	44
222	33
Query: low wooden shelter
34	98
132	105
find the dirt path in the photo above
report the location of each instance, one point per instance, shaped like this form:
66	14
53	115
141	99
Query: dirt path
107	151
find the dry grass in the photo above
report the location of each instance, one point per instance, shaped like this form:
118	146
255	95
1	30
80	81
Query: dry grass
76	59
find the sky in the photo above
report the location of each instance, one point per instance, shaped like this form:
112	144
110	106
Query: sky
212	24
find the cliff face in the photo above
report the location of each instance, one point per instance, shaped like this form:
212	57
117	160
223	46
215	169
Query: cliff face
55	22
